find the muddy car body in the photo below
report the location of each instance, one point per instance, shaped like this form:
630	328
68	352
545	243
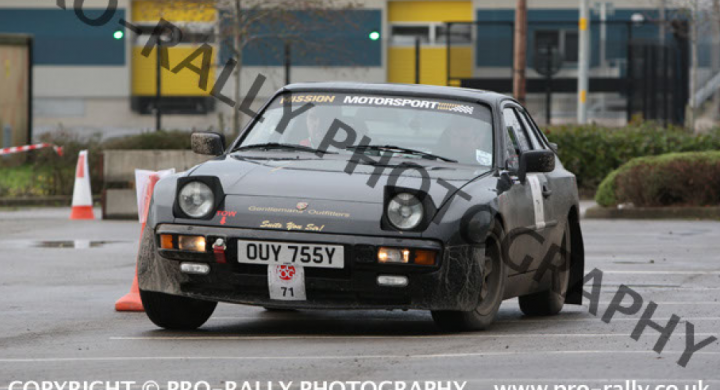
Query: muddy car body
362	196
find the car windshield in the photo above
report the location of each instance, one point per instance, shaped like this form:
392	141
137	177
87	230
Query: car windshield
408	127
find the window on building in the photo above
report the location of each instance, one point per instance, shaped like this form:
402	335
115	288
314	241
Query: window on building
407	34
566	41
430	33
545	38
459	33
570	46
190	34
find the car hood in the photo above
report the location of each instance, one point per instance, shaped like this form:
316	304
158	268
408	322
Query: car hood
305	177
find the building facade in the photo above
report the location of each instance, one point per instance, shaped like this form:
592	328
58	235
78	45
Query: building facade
99	79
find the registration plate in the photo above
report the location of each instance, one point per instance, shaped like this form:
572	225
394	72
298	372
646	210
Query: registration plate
306	255
286	282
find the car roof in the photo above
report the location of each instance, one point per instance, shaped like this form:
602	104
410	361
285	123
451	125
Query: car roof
474	95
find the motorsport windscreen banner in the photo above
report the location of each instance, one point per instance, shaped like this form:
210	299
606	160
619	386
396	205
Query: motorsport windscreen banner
378	101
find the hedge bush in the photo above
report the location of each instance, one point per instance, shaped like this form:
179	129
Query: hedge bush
45	173
169	140
683	179
592	152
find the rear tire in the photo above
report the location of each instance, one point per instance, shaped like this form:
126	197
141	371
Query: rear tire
550	302
175	312
491	295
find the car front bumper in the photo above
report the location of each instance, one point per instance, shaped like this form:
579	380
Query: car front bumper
452	284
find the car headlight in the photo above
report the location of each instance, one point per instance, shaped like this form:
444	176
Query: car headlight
405	211
196	199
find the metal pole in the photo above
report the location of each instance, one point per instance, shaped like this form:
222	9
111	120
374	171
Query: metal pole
30	41
645	82
417	60
583	61
520	50
158	88
548	90
603	36
603	50
661	30
692	104
287	63
629	84
652	90
662	60
448	73
665	90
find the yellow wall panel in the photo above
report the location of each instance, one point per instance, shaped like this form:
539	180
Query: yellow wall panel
461	62
174	11
401	65
184	83
433	64
429	11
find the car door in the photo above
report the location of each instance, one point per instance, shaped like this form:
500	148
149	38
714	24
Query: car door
556	183
526	203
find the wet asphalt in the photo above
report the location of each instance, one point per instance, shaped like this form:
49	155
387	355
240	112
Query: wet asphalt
59	280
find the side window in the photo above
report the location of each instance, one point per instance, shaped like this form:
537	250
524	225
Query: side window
517	139
532	131
540	133
512	123
513	150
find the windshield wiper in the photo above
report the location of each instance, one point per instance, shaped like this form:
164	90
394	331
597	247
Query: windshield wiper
277	145
400	149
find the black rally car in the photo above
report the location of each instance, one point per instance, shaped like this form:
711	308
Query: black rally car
362	196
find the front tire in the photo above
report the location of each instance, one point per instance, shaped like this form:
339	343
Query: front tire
550	302
175	312
491	295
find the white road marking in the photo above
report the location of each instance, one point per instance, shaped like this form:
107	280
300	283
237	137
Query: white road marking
337	357
659	289
662	272
319	319
590	318
670	303
394	337
593	319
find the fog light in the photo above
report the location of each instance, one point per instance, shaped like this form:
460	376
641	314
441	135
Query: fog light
195	268
166	241
191	243
392	281
393	255
424	257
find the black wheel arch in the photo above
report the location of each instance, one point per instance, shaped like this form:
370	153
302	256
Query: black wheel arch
577	259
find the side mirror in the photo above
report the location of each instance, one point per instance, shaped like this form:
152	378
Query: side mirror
208	143
536	161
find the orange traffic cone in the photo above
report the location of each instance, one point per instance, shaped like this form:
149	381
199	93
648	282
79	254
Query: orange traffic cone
131	301
82	207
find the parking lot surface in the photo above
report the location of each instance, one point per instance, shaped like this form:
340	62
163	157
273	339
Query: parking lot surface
60	278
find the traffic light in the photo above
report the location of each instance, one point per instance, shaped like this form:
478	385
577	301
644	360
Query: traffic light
119	34
374	35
